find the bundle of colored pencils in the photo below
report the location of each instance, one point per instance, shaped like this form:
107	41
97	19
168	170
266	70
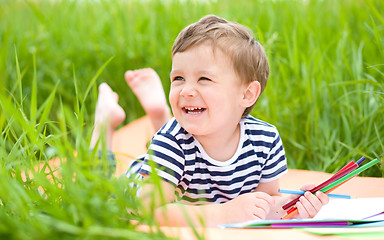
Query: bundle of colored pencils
349	171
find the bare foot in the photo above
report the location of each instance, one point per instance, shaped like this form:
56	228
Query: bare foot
146	85
108	114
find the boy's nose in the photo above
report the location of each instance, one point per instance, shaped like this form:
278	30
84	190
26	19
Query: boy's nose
188	90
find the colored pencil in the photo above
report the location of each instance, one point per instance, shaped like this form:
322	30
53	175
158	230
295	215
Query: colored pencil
293	211
310	224
345	170
342	172
291	214
361	160
298	192
350	175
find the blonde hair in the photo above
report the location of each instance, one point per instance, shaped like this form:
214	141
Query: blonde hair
237	41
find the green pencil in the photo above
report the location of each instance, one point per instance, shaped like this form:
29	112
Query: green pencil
350	175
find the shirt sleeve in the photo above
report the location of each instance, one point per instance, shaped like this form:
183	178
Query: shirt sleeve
276	164
165	158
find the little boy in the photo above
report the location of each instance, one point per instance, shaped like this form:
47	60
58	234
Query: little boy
222	163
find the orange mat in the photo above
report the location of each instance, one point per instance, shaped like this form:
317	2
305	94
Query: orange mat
130	142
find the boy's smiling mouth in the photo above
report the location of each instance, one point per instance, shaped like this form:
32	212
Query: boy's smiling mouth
193	110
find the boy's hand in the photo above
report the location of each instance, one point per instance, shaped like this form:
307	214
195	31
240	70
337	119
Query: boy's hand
309	204
248	206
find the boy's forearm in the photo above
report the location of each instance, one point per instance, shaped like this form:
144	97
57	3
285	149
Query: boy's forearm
169	213
208	215
177	214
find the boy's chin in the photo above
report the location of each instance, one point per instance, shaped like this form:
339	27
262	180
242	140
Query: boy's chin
194	130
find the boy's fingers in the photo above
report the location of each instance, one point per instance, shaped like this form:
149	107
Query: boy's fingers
302	211
314	201
261	213
309	208
324	199
262	205
307	187
262	208
309	204
266	197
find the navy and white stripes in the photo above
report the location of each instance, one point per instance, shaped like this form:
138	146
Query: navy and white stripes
181	160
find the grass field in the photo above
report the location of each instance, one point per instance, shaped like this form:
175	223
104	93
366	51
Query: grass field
325	94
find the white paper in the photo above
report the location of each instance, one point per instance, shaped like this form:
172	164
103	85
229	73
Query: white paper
353	209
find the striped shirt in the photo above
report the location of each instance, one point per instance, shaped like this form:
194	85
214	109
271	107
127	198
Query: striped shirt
181	160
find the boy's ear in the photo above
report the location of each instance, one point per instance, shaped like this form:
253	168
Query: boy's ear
251	94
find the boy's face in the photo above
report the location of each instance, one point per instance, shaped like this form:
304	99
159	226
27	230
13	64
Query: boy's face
206	93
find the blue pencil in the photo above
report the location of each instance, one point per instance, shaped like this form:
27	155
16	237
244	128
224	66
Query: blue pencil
360	161
298	192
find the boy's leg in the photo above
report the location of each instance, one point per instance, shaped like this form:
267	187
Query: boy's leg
108	115
146	85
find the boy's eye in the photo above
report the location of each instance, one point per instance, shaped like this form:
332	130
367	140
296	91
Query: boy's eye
178	78
205	78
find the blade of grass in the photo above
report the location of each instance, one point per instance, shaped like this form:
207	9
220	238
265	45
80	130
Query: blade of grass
45	108
33	107
94	78
19	78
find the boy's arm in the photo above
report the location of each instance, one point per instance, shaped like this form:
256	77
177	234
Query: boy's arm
264	203
161	198
246	207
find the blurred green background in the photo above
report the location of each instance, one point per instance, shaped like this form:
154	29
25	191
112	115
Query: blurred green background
325	93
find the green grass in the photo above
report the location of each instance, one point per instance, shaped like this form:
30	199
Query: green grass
325	95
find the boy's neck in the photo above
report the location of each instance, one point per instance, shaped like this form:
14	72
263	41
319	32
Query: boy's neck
222	146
